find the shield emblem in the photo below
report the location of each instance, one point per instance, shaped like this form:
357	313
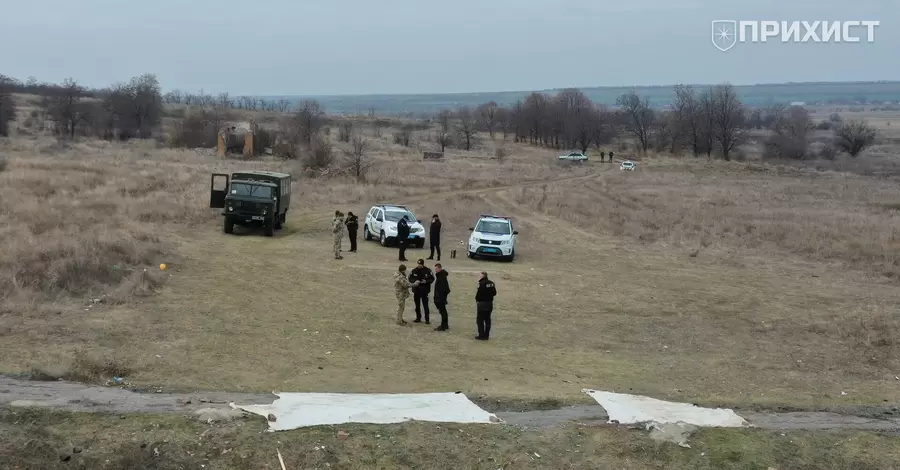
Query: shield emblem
724	34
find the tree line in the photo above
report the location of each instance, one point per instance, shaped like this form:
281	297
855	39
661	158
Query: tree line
708	122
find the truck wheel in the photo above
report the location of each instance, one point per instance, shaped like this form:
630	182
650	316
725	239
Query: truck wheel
269	226
229	224
366	235
383	239
278	222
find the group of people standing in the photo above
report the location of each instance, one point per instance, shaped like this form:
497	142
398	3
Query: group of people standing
352	224
421	278
420	281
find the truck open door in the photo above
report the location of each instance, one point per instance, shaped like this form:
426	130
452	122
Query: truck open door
218	189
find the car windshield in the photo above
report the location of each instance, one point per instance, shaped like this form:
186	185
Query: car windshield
252	190
395	216
490	226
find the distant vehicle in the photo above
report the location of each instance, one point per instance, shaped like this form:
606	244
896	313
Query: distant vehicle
574	157
493	236
627	165
381	224
252	198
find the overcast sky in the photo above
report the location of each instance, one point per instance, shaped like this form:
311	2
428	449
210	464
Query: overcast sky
308	47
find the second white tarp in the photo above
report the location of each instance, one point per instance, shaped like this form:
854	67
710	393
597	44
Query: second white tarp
296	410
632	409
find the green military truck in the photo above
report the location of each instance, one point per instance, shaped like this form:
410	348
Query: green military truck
252	198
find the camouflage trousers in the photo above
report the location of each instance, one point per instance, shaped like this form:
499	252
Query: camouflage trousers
337	246
401	306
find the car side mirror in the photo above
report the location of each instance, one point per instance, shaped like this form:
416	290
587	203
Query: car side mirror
419	220
515	232
471	228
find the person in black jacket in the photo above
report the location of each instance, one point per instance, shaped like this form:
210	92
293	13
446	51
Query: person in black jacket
484	305
434	234
352	226
441	291
402	237
421	275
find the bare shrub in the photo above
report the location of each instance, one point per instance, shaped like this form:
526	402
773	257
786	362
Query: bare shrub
357	158
828	152
403	137
321	153
791	136
500	154
345	131
854	136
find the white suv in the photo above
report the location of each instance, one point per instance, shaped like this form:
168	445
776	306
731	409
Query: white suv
493	237
381	224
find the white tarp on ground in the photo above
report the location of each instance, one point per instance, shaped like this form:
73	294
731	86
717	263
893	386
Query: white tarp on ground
633	409
296	410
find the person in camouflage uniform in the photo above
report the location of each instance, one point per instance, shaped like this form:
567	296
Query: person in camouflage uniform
401	290
337	231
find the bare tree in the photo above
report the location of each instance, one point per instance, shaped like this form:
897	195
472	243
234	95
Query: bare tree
487	116
357	157
466	125
639	118
310	118
443	139
728	120
65	107
137	105
345	130
854	136
791	135
7	104
690	117
707	122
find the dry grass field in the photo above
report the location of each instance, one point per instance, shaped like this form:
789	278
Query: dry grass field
739	284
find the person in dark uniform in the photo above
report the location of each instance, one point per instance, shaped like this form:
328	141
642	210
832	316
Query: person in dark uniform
484	305
610	157
402	237
352	227
434	235
602	157
441	291
421	276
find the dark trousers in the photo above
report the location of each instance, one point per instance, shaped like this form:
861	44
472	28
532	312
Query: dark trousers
435	246
483	318
352	234
421	301
442	309
401	244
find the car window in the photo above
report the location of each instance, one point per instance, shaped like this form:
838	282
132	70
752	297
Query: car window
490	226
243	189
378	216
395	216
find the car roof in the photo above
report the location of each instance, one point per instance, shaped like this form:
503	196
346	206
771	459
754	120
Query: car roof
258	183
273	174
494	218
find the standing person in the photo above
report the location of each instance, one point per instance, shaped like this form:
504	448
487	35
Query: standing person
441	291
422	276
484	305
337	232
352	227
434	234
401	290
402	237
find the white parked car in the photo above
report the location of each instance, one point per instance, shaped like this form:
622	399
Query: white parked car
492	237
574	157
381	224
627	165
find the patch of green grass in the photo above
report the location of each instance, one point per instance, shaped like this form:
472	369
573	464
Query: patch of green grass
43	439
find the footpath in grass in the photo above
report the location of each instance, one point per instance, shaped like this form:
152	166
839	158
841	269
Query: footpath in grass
31	438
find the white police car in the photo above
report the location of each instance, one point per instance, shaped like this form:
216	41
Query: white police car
627	165
381	224
492	237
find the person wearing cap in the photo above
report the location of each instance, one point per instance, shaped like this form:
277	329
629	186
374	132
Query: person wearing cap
434	235
423	278
401	290
352	227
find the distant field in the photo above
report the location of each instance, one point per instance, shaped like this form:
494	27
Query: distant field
753	95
